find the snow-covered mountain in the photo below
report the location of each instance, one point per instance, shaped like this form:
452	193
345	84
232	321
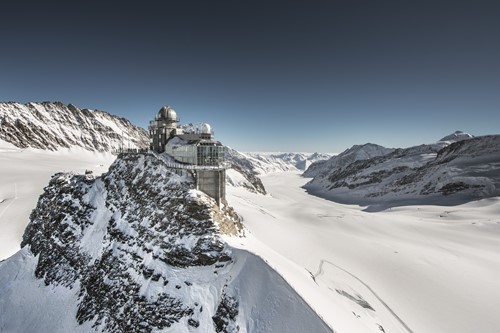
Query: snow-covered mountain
457	169
140	250
55	125
264	163
247	167
355	153
456	136
243	173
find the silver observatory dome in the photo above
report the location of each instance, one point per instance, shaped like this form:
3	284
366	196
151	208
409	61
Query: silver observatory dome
167	113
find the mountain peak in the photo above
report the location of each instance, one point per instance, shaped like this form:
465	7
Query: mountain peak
348	156
457	136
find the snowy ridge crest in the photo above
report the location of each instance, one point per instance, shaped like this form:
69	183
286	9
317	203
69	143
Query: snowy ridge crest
51	126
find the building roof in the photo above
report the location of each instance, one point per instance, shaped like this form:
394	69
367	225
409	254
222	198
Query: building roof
167	113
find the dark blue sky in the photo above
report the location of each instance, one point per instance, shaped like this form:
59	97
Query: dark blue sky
267	75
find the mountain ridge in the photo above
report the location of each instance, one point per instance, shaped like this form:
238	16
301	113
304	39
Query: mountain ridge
54	125
450	172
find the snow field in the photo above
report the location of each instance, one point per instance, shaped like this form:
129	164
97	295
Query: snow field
23	175
421	268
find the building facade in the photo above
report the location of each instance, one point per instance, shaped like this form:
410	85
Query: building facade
194	147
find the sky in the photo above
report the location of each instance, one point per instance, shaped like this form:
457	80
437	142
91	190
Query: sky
267	75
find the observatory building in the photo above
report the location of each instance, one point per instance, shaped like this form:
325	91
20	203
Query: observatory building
193	148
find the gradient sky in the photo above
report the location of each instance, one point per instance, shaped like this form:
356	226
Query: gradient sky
267	75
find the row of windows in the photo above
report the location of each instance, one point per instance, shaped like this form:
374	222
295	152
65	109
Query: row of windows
198	155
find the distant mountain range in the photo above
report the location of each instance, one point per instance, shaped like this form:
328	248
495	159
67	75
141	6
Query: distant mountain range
247	167
52	126
456	169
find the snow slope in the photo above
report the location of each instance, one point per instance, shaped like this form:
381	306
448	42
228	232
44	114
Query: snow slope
139	250
426	269
51	126
40	139
268	303
23	175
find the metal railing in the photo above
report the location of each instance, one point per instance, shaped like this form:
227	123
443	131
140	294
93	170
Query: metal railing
174	165
129	151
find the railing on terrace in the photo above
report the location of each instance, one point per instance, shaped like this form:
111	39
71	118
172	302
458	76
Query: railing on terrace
129	151
174	165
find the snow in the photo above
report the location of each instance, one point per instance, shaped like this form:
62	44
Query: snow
23	175
421	268
266	162
47	303
93	240
430	269
427	174
53	125
236	179
266	302
456	136
257	284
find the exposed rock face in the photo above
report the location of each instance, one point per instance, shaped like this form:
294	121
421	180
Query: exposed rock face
448	172
54	125
138	250
242	172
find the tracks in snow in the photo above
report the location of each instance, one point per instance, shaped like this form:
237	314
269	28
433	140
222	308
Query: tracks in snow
320	272
10	202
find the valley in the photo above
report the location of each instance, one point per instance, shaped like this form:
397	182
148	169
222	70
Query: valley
419	267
